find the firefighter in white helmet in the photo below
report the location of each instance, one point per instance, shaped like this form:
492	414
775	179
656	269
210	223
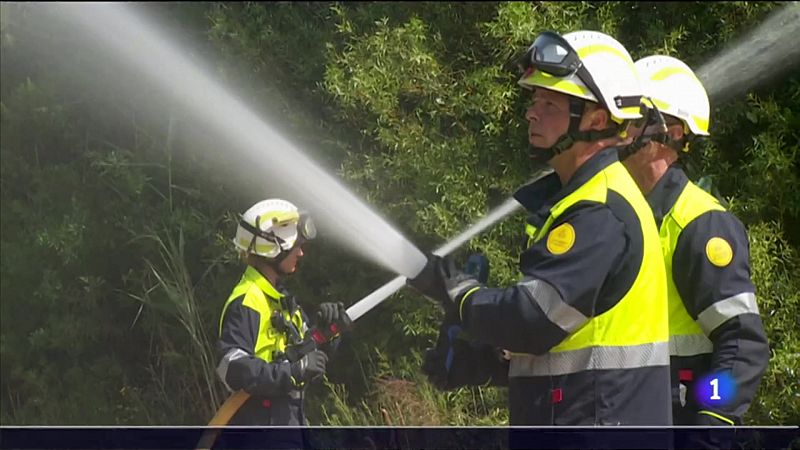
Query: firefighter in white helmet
261	319
586	325
715	328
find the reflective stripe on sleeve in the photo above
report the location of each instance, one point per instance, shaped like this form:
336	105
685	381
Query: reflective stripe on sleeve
723	310
555	308
222	369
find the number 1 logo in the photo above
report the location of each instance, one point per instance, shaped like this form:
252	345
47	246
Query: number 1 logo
715	389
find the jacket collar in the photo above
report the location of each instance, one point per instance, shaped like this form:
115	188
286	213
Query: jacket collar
666	192
254	276
548	191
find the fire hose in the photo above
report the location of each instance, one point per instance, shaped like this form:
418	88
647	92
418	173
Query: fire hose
316	337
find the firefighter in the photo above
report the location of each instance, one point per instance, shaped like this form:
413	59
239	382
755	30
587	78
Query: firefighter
260	319
715	328
586	326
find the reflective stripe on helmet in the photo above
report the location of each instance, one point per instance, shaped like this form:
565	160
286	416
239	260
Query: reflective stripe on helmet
600	48
702	124
660	104
258	248
670	71
564	85
280	217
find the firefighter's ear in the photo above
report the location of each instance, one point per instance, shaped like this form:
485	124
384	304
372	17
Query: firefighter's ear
595	117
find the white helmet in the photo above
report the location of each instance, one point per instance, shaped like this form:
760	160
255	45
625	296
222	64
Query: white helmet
675	90
271	227
585	64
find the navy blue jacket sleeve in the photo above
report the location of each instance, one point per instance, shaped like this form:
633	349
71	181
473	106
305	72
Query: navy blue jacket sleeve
561	287
238	366
718	293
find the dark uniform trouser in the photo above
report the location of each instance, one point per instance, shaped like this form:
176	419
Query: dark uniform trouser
624	397
280	411
684	371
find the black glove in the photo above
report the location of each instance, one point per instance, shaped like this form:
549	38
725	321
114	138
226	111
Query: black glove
331	313
457	283
310	367
433	365
429	281
707	420
712	438
439	360
443	282
457	361
478	265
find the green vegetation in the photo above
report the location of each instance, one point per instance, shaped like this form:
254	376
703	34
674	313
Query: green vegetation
115	253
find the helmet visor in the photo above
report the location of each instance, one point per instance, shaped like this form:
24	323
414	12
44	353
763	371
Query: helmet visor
306	226
552	54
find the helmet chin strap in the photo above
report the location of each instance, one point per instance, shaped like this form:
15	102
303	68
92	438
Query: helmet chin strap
661	135
274	263
641	142
573	134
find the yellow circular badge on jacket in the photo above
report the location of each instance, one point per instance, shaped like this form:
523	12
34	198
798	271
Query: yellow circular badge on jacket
719	251
561	239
